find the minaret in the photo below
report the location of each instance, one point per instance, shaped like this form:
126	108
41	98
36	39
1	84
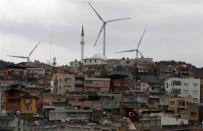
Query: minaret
82	42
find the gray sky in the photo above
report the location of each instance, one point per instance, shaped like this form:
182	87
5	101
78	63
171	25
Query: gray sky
174	29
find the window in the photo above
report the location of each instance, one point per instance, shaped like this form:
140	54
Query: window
166	85
195	84
185	84
181	103
195	92
27	108
176	91
185	91
27	101
172	102
195	99
89	82
67	80
176	83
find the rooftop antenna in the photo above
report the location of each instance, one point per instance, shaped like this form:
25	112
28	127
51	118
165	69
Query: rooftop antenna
137	49
103	28
29	55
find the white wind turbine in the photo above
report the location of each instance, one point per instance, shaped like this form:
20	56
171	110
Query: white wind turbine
103	28
137	49
26	57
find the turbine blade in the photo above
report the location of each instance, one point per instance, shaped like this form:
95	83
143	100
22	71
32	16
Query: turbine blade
126	51
96	12
33	49
17	56
113	20
140	53
100	31
138	45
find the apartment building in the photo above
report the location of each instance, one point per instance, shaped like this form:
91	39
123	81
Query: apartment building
145	65
63	83
183	87
19	100
13	74
183	70
184	108
97	85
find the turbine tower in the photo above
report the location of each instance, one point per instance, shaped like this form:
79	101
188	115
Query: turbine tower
103	28
26	57
82	43
137	49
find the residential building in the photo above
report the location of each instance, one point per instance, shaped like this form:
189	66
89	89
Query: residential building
6	83
76	127
19	100
183	70
201	91
183	87
119	82
95	66
184	108
201	101
145	65
70	115
44	81
13	73
44	100
13	123
97	85
76	65
35	73
97	59
79	83
164	102
89	104
141	86
63	83
155	121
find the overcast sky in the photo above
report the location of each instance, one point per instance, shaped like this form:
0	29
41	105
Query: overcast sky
174	29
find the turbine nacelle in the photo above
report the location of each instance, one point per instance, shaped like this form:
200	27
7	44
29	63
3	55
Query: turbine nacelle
134	50
138	45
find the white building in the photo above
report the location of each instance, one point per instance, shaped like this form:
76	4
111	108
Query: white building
183	87
97	59
167	119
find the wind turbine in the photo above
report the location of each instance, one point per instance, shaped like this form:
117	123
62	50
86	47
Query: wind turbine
137	49
26	57
103	28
